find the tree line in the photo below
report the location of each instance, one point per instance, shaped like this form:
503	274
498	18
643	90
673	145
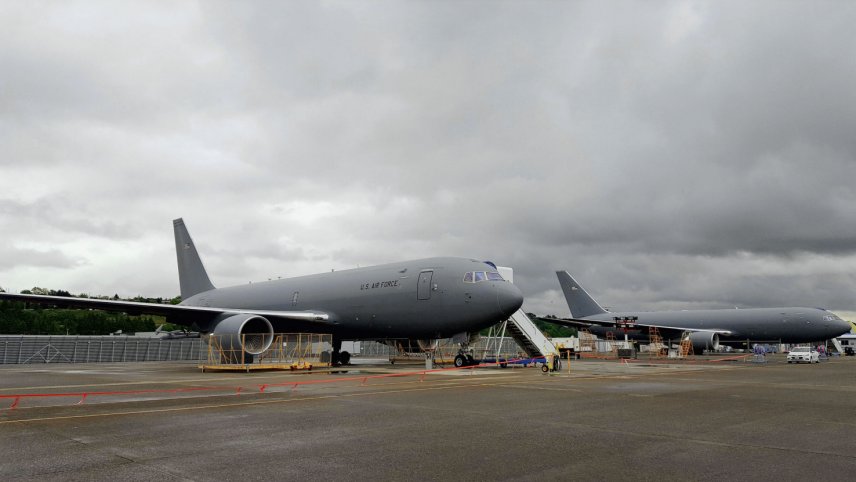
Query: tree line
552	330
21	318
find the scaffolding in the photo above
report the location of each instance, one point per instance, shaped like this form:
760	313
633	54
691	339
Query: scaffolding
686	346
588	345
656	348
611	343
287	351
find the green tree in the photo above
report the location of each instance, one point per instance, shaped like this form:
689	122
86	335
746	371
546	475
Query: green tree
552	330
19	318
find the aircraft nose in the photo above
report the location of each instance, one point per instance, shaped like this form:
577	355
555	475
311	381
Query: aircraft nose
842	327
509	298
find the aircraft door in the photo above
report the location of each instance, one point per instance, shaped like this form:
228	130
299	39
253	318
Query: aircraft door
423	290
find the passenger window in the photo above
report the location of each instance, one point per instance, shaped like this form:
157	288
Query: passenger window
468	278
480	276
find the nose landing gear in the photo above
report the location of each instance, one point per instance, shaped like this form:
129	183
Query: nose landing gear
463	359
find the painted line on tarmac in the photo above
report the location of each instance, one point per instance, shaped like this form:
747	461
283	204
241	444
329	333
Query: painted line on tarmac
285	388
207	381
730	444
144	382
530	386
240	404
761	383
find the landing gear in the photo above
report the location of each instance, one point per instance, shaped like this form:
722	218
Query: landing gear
460	360
339	357
464	360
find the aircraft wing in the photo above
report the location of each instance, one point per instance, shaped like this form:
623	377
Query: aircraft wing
175	312
585	323
569	322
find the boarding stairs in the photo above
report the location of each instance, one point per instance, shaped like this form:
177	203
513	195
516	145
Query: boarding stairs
837	344
528	336
523	330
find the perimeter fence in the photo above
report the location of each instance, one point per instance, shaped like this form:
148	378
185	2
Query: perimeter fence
35	349
30	349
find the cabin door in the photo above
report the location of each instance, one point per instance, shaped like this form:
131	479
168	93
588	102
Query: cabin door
423	291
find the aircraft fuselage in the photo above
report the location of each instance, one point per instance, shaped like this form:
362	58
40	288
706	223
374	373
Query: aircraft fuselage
785	325
424	299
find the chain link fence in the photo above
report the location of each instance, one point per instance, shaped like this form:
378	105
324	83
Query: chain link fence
28	349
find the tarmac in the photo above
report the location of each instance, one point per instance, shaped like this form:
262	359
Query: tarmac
597	420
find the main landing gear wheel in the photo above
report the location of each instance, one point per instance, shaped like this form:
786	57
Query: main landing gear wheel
470	360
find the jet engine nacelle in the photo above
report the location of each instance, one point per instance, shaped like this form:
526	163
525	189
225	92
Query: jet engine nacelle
251	333
704	340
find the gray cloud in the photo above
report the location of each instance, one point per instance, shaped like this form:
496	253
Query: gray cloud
669	154
13	257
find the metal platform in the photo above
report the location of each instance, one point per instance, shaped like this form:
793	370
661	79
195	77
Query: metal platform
250	367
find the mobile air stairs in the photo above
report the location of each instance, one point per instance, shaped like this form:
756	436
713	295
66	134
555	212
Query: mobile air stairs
528	336
837	344
522	330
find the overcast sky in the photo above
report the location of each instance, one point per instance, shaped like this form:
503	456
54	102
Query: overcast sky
670	155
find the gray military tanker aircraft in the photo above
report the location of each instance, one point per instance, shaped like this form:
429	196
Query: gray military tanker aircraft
416	300
705	328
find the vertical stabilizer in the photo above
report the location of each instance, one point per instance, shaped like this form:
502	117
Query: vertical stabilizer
580	303
191	274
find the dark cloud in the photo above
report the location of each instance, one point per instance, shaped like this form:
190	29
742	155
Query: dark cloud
668	154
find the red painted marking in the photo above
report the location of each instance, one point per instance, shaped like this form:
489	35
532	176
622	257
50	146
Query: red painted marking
238	389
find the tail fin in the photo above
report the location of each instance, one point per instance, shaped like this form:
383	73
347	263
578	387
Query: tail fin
580	303
191	274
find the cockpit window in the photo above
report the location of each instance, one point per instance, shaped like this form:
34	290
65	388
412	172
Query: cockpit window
477	276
